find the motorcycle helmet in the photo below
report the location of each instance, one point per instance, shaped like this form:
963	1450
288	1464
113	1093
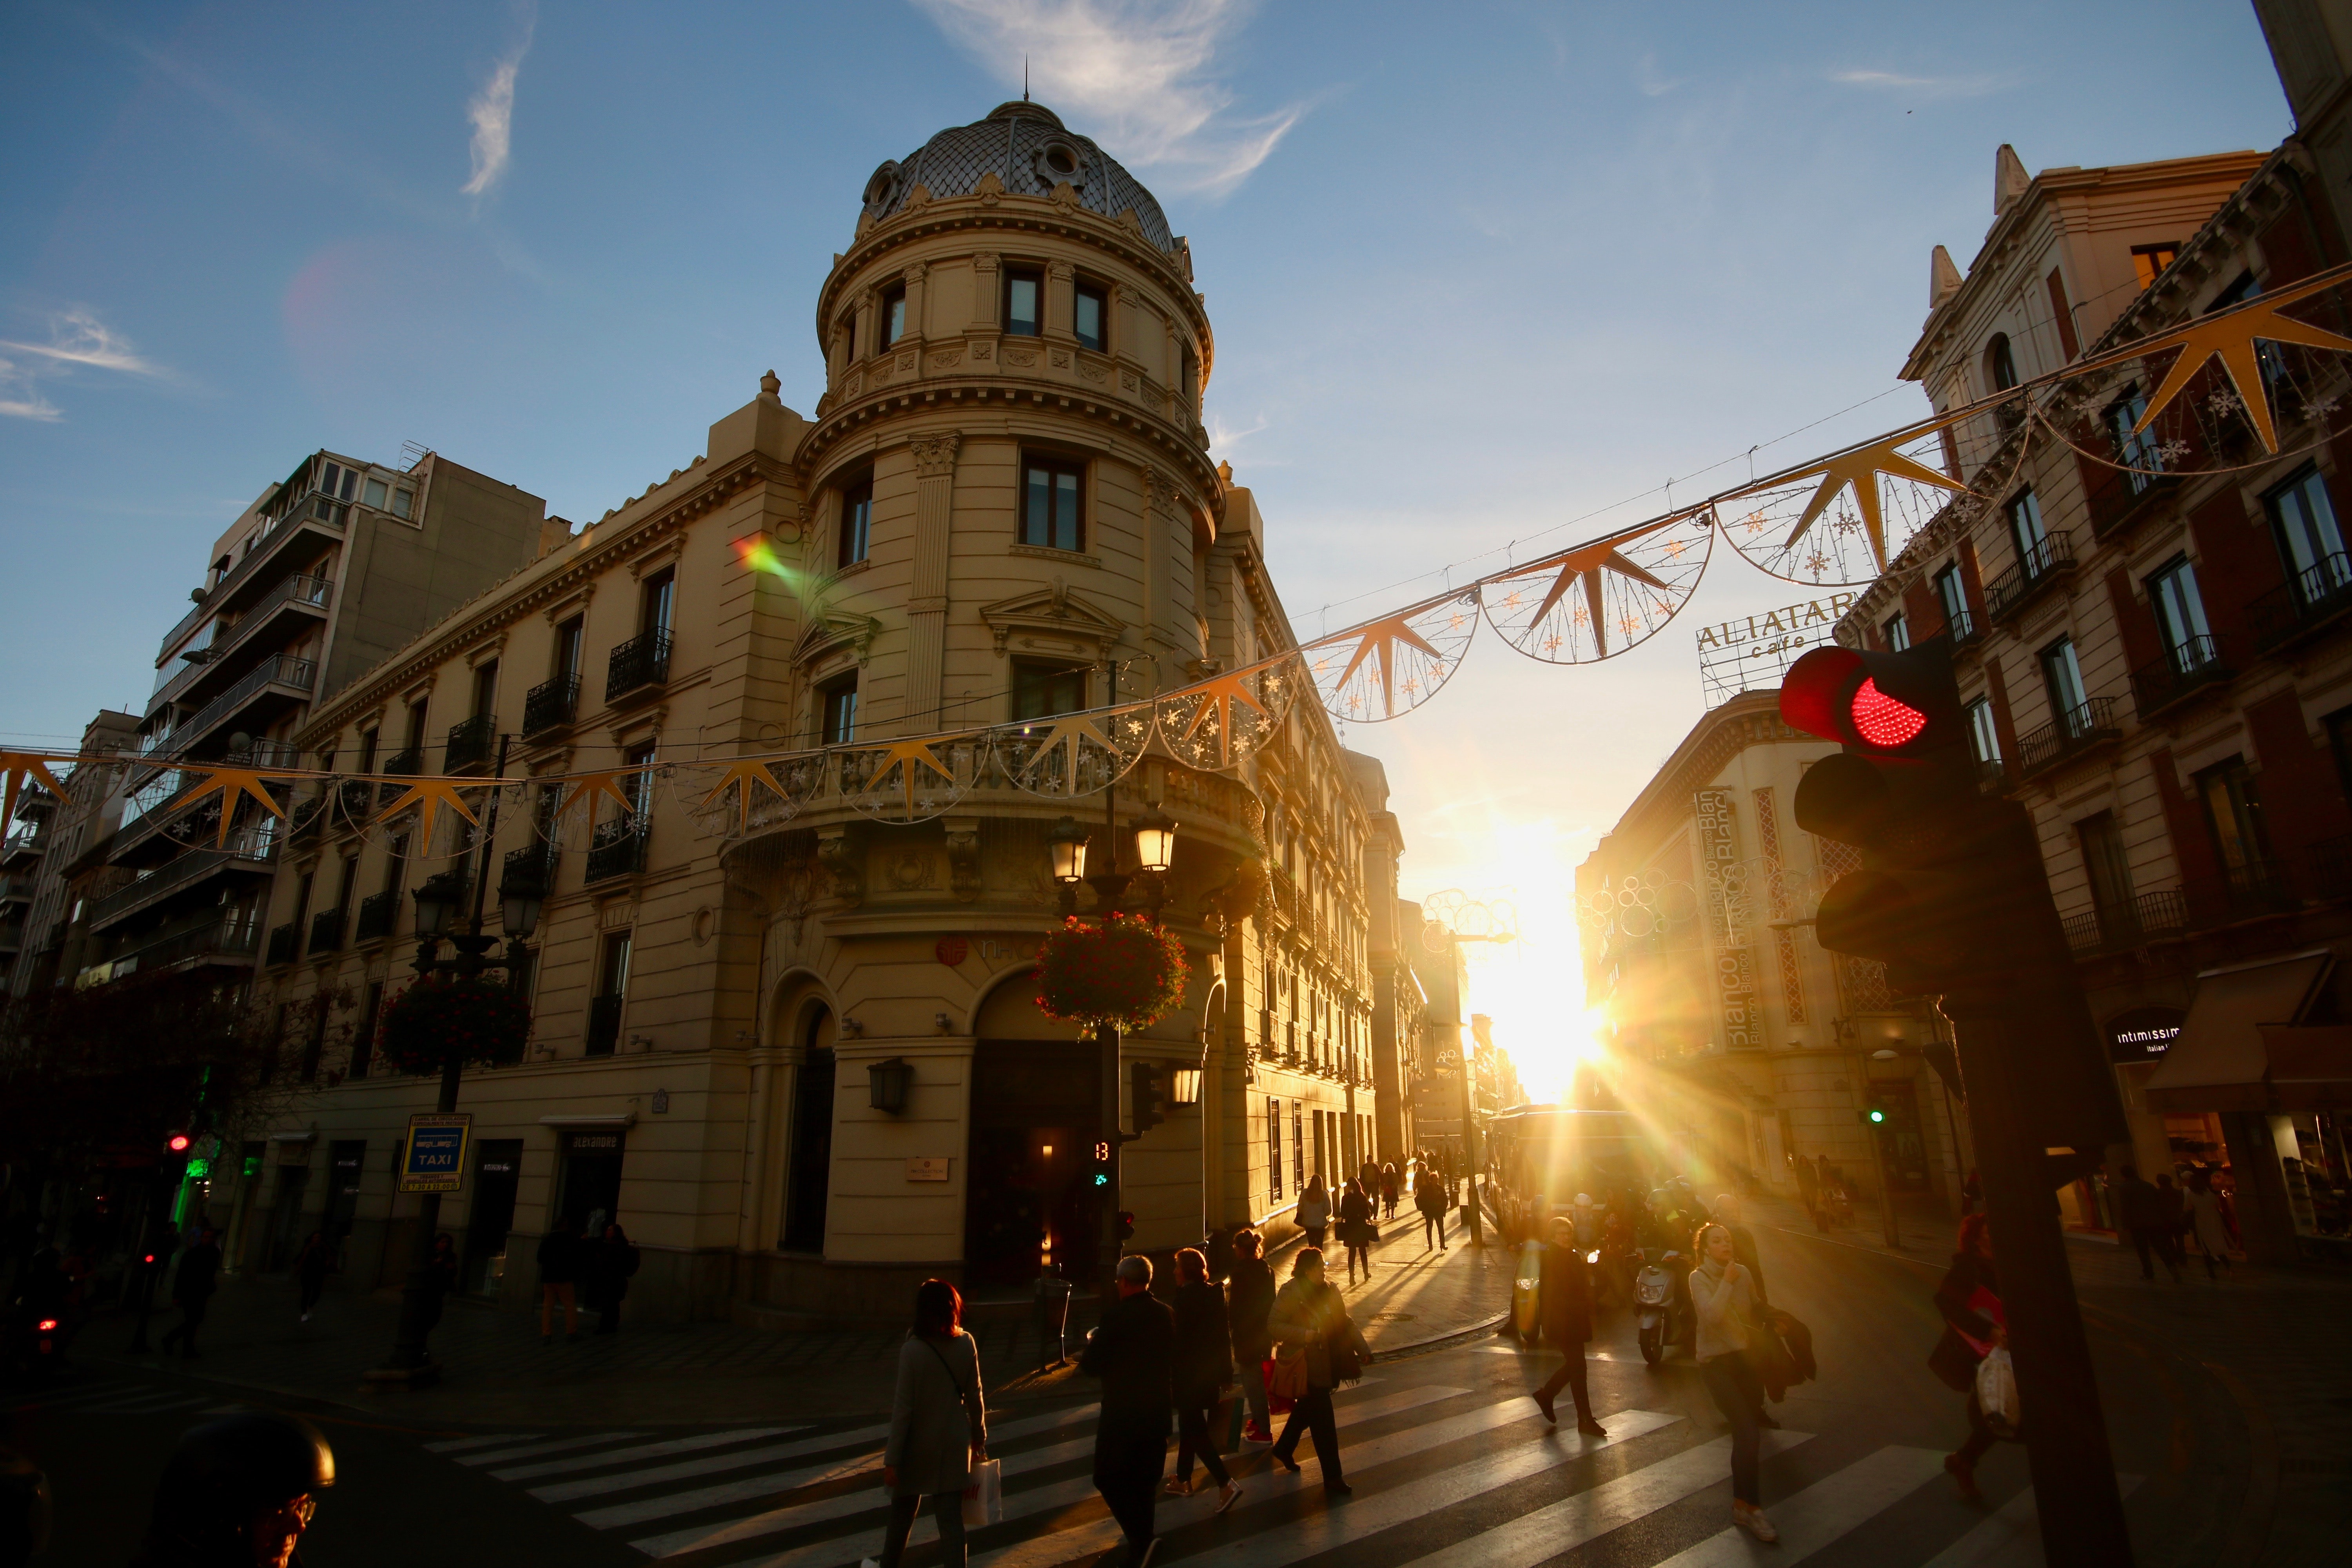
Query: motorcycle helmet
223	1477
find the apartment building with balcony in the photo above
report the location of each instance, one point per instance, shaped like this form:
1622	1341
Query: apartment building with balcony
2153	636
75	835
1004	511
326	573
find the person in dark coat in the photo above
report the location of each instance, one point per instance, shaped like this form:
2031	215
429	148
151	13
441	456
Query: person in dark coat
2172	1220
193	1287
1564	1306
1389	1181
440	1278
1310	1321
1133	1351
312	1264
610	1263
1357	1230
1249	1296
1970	1300
559	1279
1429	1195
1204	1367
1809	1190
2143	1217
939	1424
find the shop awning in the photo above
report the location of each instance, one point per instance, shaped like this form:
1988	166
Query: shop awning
2221	1062
2311	1068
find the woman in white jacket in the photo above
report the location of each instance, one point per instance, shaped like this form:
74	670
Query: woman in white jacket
1722	1295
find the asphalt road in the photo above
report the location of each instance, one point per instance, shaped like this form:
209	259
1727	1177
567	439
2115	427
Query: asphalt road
1450	1461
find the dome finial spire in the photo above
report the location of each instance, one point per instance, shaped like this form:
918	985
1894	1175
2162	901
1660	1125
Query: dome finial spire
1024	78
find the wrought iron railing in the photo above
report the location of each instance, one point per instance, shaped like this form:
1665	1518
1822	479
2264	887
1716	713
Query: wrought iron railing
529	871
246	843
214	939
2197	663
550	704
282	942
1963	627
379	912
2148	917
642	661
617	849
277	670
2076	731
2261	886
2310	599
409	762
469	744
2050	559
325	930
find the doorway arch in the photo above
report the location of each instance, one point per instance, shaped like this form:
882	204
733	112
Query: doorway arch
808	1179
1037	1094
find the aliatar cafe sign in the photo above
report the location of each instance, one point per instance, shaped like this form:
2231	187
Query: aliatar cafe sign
1809	621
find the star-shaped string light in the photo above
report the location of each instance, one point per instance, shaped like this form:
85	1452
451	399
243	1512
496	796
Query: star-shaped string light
18	766
744	774
1215	712
231	785
2230	336
1584	564
1069	731
1379	642
428	795
909	755
588	787
1859	469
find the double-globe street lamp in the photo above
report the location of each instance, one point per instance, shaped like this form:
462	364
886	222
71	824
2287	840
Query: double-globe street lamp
1155	852
521	892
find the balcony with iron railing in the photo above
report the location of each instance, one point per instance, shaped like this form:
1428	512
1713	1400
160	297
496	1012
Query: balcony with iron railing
615	849
2074	734
2149	916
550	705
2120	500
281	675
312	511
249	851
2196	663
1964	629
2050	562
2310	600
470	743
638	665
217	939
327	930
298	598
379	912
530	871
283	942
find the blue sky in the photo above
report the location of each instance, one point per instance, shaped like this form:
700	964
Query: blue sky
1476	271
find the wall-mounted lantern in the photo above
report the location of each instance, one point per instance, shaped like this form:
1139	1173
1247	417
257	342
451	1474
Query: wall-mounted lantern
888	1083
1184	1086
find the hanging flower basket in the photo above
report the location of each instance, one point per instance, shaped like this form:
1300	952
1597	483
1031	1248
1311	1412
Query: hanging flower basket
1124	970
478	1021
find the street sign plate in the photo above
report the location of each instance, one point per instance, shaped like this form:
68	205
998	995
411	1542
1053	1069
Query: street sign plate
920	1169
434	1158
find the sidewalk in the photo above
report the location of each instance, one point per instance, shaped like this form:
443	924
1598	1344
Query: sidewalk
2272	1348
497	1373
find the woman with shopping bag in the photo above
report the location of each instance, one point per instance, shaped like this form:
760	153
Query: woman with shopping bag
938	1426
1317	1348
1723	1299
1975	1328
1204	1368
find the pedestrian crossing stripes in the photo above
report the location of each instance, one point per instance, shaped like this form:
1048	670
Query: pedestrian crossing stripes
1443	1475
124	1396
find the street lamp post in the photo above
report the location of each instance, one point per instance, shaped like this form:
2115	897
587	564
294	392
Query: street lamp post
519	906
1470	1148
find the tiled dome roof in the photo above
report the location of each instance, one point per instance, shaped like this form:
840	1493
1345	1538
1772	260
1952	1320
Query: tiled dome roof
1026	146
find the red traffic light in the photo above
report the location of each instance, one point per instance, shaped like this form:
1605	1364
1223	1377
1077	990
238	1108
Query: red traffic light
178	1143
47	1326
1884	703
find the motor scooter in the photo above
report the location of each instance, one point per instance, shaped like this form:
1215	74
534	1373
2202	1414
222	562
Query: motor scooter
34	1345
1659	1304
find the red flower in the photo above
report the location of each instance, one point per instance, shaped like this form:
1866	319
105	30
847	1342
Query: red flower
1124	970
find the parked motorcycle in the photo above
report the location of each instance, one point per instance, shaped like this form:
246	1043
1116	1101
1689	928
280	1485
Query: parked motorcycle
1662	1310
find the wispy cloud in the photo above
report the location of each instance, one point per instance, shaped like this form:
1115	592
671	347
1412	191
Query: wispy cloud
1140	72
1652	84
1224	437
492	113
1921	85
78	340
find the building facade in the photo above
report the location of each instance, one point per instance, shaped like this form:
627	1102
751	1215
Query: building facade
75	835
1002	513
2148	631
1747	1045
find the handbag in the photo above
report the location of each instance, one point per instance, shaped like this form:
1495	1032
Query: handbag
1348	1354
1996	1386
1285	1376
983	1500
1953	1362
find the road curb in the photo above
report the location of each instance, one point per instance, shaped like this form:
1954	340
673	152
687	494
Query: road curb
1445	1341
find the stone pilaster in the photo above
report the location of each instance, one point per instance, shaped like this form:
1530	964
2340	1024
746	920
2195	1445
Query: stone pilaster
927	604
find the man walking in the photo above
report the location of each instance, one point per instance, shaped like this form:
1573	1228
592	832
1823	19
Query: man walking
193	1287
1429	1196
1134	1352
1564	1306
2143	1217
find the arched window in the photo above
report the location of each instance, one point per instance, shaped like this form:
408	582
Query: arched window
2000	366
806	1185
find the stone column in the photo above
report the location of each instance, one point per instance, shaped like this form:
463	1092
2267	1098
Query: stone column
1060	302
987	291
927	604
1162	512
915	278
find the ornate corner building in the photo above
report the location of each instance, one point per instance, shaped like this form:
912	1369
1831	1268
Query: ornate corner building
1003	510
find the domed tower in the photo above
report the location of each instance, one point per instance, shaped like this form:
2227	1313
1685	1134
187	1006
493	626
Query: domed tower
1009	513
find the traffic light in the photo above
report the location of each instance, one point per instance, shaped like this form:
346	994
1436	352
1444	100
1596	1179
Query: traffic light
1098	1168
1875	1113
1144	1091
178	1143
1126	1224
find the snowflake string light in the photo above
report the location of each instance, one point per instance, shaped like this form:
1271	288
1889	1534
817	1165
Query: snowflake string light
2173	451
1755	523
2224	402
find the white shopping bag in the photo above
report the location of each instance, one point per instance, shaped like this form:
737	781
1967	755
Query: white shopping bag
1997	1392
983	1500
